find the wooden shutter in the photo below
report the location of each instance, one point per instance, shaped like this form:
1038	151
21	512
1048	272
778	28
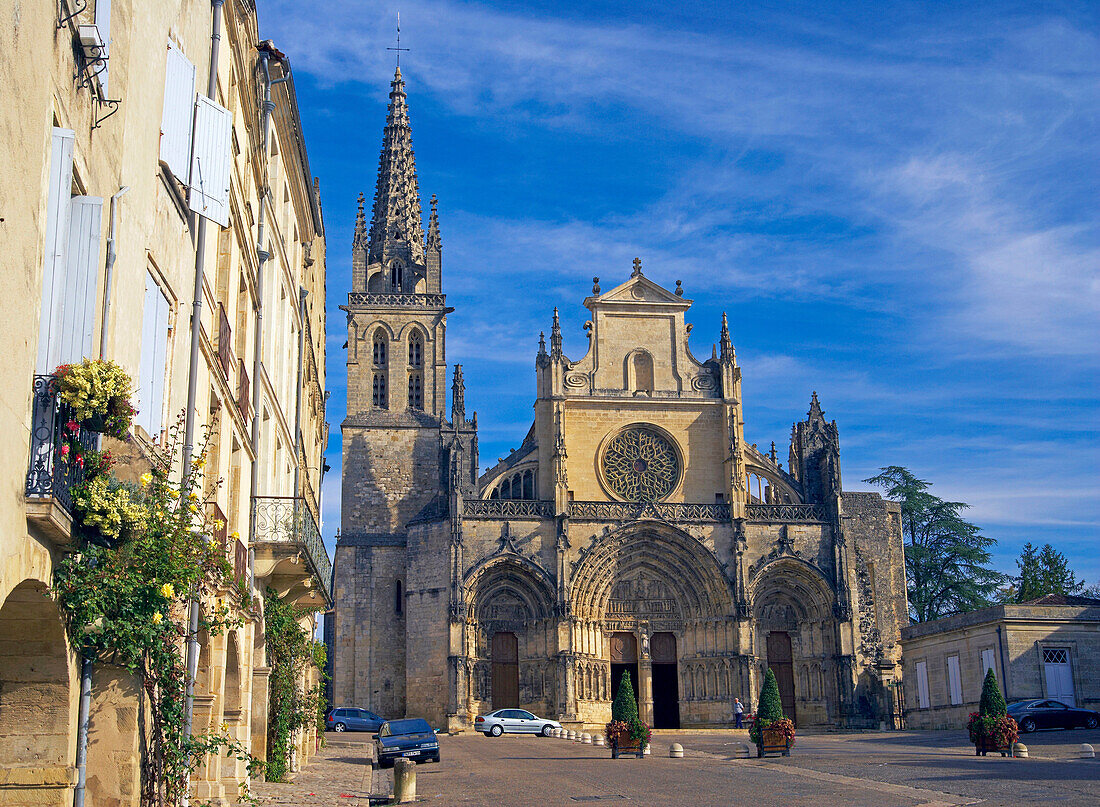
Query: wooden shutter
78	295
954	680
154	352
57	232
178	113
922	684
210	161
103	23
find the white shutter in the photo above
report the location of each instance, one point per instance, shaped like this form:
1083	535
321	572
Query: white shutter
988	662
954	680
154	353
57	233
210	162
103	23
178	114
160	363
79	287
922	684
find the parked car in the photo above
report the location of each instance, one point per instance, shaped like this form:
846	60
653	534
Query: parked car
411	738
514	721
1051	714
348	719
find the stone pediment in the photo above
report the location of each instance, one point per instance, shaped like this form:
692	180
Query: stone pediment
639	290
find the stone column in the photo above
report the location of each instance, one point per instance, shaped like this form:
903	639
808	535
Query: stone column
645	687
260	676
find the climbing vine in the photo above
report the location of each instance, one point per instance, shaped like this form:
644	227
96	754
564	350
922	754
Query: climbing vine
290	652
125	599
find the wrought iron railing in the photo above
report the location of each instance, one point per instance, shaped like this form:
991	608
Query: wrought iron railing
507	508
287	520
49	473
784	512
225	342
629	511
397	299
244	402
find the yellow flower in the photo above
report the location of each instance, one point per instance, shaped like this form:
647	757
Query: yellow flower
236	536
146	479
168	591
192	497
199	461
157	618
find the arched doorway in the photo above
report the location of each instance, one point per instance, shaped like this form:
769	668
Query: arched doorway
35	714
505	654
624	658
666	688
781	663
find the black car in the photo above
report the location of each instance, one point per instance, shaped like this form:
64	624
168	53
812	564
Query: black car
412	738
1050	714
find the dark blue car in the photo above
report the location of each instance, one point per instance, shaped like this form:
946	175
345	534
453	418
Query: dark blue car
412	738
348	719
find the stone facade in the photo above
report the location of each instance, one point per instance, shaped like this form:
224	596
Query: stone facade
634	529
81	129
1048	648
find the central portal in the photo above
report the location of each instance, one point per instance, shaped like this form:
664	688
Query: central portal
505	670
781	662
666	689
624	658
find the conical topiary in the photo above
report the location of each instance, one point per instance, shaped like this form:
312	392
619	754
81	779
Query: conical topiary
625	706
993	702
770	706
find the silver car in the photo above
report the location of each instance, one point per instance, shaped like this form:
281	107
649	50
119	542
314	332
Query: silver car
514	721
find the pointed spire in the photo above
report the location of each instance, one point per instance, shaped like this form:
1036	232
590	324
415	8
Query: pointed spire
458	398
724	341
772	454
815	412
396	222
434	242
555	337
359	239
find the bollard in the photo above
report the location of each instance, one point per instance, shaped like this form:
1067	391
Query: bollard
1087	751
645	751
740	751
572	735
586	738
598	740
404	781
1019	750
676	751
555	732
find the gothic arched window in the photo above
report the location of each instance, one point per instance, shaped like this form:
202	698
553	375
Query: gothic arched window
416	349
397	277
379	355
379	397
416	396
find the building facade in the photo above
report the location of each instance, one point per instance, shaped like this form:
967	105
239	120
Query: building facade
1046	648
128	130
633	530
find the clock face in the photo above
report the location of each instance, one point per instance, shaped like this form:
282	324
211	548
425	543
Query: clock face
641	465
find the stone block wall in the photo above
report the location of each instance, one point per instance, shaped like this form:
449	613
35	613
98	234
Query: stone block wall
427	625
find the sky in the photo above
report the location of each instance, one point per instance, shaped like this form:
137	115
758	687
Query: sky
896	204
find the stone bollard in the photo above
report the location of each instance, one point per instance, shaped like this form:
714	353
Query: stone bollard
646	750
404	781
1087	751
555	732
586	738
740	751
1019	750
676	751
598	740
575	736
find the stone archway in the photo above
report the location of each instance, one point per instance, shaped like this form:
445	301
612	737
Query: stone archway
651	579
510	636
36	712
795	636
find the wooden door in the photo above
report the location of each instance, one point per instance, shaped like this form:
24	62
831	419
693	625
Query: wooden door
505	670
781	662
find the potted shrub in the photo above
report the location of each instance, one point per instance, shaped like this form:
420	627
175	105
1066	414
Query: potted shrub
772	732
626	734
107	508
99	393
990	728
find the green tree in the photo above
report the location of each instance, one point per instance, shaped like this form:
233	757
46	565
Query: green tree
625	706
946	557
770	706
993	702
1044	571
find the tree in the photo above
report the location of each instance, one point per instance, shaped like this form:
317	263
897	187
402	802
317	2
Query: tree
770	707
1044	571
992	703
625	706
946	557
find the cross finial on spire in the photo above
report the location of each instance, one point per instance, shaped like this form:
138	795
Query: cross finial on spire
555	337
637	268
398	48
725	342
815	408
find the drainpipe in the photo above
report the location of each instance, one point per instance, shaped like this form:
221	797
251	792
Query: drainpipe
193	382
82	731
302	295
267	51
111	255
1001	655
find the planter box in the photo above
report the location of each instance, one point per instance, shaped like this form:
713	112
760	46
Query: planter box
625	747
773	742
983	746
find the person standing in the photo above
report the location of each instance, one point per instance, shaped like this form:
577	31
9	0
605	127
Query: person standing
738	711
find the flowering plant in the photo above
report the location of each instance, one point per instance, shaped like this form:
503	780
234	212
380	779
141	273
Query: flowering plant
97	390
998	731
783	725
106	505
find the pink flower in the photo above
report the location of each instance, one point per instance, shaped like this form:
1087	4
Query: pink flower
73	426
64	451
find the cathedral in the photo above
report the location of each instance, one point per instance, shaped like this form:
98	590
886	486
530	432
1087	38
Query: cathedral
633	529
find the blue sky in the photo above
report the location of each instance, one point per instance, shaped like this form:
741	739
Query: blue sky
896	204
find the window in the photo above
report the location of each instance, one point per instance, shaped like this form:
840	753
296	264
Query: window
154	359
396	276
416	398
379	355
379	396
416	350
922	685
954	680
398	600
988	662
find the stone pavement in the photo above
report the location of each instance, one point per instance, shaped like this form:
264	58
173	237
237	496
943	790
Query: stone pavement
889	769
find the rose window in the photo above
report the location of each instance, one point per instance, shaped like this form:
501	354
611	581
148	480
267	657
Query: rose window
641	465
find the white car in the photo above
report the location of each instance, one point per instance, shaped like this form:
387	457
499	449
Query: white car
514	721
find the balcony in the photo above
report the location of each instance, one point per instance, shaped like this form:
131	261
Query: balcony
49	476
290	556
